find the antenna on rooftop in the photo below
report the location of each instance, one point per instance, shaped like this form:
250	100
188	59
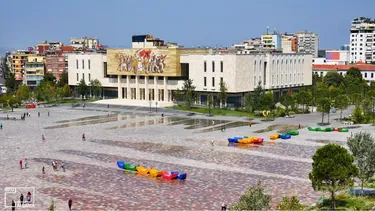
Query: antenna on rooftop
267	29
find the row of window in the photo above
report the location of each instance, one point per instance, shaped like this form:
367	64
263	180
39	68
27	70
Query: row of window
83	64
361	35
213	81
213	66
292	79
83	77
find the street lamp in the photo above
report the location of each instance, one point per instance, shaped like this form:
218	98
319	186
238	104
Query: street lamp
156	107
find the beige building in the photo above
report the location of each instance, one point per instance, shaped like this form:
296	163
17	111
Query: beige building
34	70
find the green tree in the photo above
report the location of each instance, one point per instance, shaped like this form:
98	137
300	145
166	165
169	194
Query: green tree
12	101
23	93
357	115
341	102
44	92
177	97
287	101
362	145
291	204
49	78
257	96
188	91
52	206
63	79
316	81
223	96
82	88
66	91
304	97
11	83
210	103
96	87
268	101
59	92
332	170
324	105
355	73
333	79
248	101
254	198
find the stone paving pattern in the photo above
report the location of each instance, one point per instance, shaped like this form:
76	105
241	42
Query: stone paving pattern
216	174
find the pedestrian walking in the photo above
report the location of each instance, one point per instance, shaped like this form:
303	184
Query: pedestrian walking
26	163
223	206
21	199
250	123
29	114
70	202
83	137
48	113
53	165
212	142
63	166
38	114
299	126
43	138
43	172
21	164
13	205
1	126
28	196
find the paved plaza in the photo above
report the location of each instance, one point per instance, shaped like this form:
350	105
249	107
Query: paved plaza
216	174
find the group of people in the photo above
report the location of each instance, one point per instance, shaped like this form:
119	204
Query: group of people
55	166
23	162
28	200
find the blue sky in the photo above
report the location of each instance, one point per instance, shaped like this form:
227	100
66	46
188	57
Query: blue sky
190	23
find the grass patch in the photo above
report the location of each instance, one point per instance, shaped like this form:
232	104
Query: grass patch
214	111
345	201
282	128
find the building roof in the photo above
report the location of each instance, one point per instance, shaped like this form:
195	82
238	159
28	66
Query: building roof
67	48
360	65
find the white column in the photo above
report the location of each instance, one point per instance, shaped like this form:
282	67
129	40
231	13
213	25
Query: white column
156	91
119	87
137	87
146	89
165	88
128	95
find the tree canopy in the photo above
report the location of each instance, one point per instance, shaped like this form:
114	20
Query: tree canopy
254	198
362	145
332	169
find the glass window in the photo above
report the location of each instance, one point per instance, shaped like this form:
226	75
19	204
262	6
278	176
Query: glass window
221	66
213	81
89	64
77	63
205	66
213	66
205	81
77	77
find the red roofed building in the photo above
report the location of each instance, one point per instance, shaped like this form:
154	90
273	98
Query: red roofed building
367	70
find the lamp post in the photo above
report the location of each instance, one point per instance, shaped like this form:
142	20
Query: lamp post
150	105
156	107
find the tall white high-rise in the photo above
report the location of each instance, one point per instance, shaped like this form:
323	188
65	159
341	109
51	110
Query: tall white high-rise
307	42
362	45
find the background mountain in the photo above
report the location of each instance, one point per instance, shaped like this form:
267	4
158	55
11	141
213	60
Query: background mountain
3	50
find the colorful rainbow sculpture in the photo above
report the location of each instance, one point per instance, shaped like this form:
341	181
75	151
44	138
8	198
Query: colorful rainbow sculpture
246	140
153	172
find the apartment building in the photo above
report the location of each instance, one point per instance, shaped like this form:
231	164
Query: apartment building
367	70
307	42
18	60
84	43
34	70
362	45
271	41
289	43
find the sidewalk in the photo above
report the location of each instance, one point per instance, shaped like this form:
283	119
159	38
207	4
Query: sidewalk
141	103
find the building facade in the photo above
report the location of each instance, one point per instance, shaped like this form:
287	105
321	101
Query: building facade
367	70
362	45
55	64
289	43
18	61
307	42
282	73
271	41
338	57
34	70
84	43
